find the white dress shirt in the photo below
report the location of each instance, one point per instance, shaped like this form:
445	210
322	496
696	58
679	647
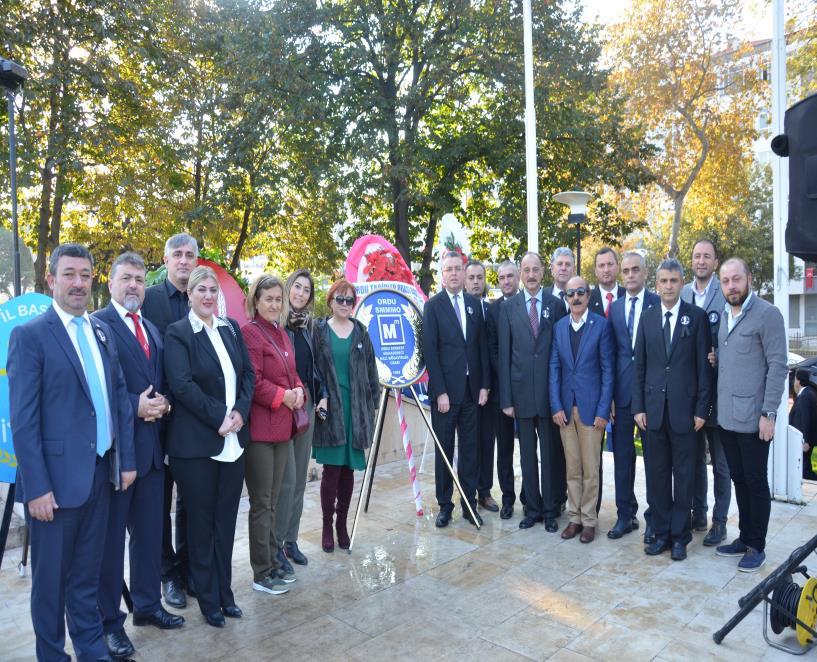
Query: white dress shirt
460	303
604	293
700	297
557	293
731	321
672	320
232	449
66	318
129	321
639	306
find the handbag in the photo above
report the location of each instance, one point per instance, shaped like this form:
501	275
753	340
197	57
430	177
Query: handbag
300	419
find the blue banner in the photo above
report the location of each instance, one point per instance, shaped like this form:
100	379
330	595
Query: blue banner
13	313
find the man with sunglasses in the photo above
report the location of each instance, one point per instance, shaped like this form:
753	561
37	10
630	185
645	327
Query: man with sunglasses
672	391
582	369
456	353
525	332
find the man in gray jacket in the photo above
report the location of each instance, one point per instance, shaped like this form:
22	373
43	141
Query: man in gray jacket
705	292
751	379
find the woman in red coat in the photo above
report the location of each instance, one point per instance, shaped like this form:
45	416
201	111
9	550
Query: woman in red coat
278	394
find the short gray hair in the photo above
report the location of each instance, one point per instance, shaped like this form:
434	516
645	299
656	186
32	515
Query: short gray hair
508	263
179	240
535	254
635	254
671	264
559	252
129	257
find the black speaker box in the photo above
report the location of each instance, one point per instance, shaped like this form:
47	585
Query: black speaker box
800	141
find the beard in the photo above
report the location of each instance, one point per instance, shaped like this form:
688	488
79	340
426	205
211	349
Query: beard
737	299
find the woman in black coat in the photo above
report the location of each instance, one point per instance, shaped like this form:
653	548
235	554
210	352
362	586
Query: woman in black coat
211	379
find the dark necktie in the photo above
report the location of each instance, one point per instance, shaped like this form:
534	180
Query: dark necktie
609	302
667	332
140	335
534	317
631	317
459	313
562	297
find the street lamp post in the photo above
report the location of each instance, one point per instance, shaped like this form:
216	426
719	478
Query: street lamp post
577	201
530	132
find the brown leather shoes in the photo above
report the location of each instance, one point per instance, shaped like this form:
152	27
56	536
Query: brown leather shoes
571	530
588	534
488	503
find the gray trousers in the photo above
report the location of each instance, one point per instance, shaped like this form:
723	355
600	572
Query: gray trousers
722	483
291	496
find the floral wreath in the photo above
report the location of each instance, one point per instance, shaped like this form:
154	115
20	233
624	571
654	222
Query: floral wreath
384	264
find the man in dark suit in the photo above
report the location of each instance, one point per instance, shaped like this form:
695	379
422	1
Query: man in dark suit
672	384
582	368
139	509
456	352
562	269
803	416
508	276
607	289
625	314
164	304
72	427
525	331
475	286
705	292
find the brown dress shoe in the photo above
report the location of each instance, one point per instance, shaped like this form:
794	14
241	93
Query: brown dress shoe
571	530
488	503
588	534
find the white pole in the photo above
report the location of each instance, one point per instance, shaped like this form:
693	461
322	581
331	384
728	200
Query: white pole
530	132
786	456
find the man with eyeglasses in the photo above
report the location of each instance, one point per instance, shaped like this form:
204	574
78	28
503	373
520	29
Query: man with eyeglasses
525	332
671	399
582	369
456	353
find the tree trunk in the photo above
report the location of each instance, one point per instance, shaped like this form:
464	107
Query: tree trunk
426	274
678	203
235	263
400	219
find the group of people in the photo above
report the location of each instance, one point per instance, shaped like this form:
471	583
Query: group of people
110	410
692	366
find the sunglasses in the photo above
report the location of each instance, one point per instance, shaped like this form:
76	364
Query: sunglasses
579	291
344	301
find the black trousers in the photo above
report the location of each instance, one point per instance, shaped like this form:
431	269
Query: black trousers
462	419
504	455
624	459
211	492
670	481
538	455
174	561
748	458
721	482
487	440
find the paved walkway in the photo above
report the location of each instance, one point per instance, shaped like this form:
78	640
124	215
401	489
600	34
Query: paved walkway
411	591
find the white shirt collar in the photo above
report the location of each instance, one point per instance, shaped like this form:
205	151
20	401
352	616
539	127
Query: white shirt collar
65	317
537	296
123	312
674	310
639	296
728	308
704	291
604	292
197	323
577	325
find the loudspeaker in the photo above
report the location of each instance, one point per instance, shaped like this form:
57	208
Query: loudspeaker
800	144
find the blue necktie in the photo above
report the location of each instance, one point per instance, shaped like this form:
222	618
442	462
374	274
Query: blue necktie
631	316
95	386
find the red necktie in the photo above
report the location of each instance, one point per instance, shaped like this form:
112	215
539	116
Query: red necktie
140	335
609	301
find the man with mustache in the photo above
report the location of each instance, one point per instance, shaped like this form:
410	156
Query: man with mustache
751	361
72	425
164	304
139	510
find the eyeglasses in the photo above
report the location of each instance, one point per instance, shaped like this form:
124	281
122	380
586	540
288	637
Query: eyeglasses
579	291
344	301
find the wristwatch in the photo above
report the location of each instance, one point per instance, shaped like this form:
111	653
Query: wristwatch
771	415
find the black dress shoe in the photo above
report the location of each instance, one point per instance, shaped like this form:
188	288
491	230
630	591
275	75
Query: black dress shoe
216	620
551	525
660	545
506	512
232	611
295	554
716	535
634	524
528	521
173	594
161	618
699	522
443	518
679	551
649	535
118	644
622	528
467	515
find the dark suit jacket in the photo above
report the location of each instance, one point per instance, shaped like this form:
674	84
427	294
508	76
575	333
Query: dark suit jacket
596	305
449	357
492	331
52	416
194	377
586	380
156	306
803	415
140	372
524	360
625	352
684	379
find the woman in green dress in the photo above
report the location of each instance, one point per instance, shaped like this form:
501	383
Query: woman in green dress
345	417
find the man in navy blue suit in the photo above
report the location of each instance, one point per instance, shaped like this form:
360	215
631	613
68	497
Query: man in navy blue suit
459	376
672	390
625	314
72	425
139	509
582	369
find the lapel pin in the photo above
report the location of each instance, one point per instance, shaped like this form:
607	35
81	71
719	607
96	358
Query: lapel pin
101	335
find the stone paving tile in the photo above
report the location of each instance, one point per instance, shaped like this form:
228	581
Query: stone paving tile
500	593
